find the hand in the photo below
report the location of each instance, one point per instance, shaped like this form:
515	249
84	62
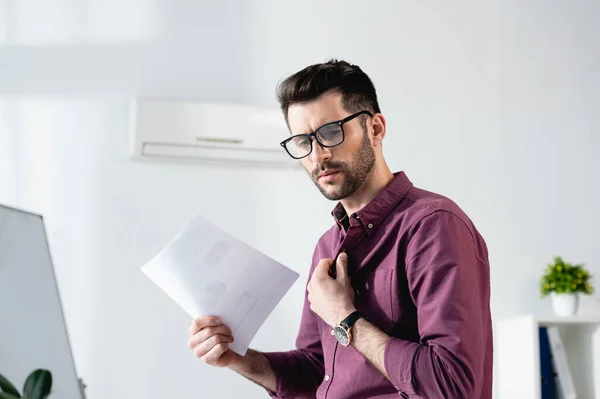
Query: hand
331	298
209	339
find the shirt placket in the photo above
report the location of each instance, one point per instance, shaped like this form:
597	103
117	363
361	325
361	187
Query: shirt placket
350	243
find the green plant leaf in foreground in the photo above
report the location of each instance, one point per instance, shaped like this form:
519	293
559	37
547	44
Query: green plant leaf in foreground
7	387
4	395
38	385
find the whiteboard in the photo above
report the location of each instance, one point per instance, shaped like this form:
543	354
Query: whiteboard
33	332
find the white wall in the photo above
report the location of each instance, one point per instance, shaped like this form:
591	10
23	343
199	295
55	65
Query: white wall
549	100
491	103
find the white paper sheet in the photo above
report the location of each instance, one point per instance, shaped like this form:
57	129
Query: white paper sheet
208	271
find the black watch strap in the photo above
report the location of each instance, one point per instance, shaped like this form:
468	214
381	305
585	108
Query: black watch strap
349	321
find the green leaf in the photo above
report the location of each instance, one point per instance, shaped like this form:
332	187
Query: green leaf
38	384
5	395
7	387
565	277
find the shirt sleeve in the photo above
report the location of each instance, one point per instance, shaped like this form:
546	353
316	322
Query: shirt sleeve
299	372
448	279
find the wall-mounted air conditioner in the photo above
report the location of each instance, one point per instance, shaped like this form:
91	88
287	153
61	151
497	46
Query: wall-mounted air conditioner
225	132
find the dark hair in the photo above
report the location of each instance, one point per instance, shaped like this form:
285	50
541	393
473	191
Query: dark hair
356	88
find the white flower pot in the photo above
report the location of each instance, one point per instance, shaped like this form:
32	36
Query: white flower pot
564	304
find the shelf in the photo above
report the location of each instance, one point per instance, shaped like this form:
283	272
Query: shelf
561	320
518	354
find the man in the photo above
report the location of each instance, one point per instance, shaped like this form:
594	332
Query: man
403	311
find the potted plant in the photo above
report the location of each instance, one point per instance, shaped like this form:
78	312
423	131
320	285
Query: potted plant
564	282
37	386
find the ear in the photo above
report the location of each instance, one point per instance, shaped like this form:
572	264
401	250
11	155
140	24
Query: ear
378	129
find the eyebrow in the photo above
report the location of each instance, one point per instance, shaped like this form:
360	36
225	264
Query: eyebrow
324	124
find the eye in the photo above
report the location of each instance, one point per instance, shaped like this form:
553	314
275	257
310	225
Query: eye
330	133
301	142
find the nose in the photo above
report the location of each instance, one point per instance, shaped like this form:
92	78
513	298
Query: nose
319	154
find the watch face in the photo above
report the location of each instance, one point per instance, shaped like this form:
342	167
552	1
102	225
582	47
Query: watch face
341	335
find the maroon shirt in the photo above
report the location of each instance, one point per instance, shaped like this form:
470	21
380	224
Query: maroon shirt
421	274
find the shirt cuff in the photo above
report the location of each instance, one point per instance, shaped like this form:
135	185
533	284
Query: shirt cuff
398	362
279	362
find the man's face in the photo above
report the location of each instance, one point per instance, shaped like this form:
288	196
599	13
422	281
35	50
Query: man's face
339	171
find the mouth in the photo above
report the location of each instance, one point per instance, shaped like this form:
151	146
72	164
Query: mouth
328	175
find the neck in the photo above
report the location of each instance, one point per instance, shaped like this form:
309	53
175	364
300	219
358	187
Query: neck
379	177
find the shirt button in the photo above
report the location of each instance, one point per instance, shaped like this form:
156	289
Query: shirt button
327	377
370	225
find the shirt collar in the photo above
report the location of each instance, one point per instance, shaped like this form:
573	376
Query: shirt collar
373	214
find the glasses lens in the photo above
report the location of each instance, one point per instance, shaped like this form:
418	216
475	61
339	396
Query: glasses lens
299	146
330	135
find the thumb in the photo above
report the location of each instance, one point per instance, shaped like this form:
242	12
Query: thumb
341	266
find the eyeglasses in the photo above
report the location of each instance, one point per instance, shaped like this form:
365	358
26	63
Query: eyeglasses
329	135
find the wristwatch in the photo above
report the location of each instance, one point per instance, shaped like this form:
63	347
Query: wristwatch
343	331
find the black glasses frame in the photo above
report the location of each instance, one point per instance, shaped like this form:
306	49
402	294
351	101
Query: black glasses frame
314	134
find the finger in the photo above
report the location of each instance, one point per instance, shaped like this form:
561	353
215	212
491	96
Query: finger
322	267
202	349
341	267
212	356
313	282
208	332
201	322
